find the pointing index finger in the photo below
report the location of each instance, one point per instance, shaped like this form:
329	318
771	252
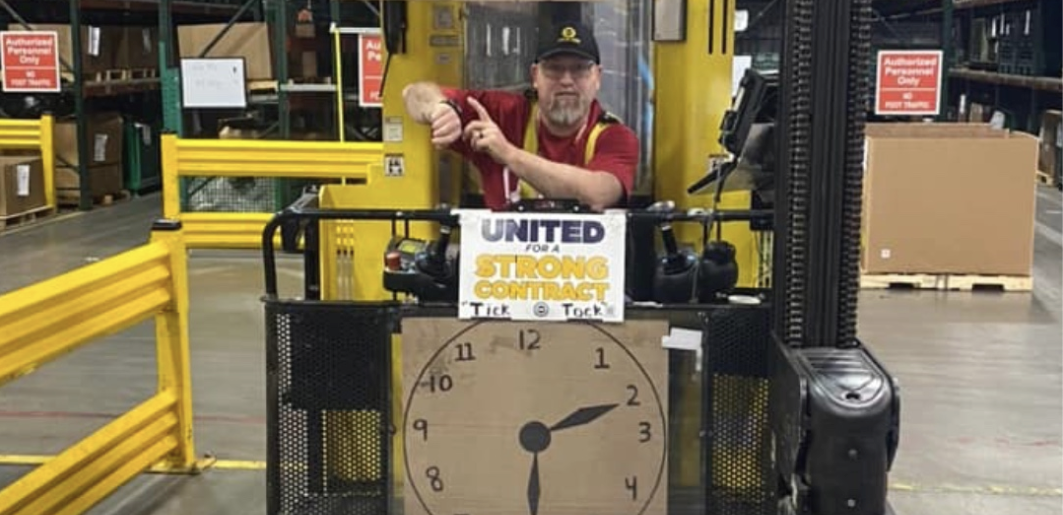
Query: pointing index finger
479	108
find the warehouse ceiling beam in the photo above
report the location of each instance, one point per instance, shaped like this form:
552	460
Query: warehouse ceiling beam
184	7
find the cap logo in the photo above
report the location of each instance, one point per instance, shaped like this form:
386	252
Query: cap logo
568	35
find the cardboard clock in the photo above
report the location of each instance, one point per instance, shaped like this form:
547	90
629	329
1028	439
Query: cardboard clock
504	417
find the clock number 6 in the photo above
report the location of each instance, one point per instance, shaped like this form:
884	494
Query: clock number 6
432	473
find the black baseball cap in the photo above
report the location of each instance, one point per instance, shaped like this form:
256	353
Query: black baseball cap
572	38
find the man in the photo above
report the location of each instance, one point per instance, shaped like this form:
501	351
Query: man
538	147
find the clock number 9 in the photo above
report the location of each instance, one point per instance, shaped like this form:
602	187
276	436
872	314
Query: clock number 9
422	426
432	473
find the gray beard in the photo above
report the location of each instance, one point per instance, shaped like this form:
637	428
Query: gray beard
565	116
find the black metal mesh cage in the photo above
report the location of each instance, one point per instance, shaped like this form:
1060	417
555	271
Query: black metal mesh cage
329	432
737	449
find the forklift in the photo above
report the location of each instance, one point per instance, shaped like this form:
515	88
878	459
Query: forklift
789	412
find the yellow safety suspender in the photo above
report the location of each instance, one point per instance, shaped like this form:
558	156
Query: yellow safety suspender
531	143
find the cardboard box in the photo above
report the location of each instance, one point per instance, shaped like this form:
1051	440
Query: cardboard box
21	185
948	199
1051	140
99	45
139	48
248	40
103	138
104	180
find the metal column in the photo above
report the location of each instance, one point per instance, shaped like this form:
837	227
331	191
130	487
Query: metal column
85	186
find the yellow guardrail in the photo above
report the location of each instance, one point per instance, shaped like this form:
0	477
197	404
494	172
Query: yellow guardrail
44	321
329	160
34	135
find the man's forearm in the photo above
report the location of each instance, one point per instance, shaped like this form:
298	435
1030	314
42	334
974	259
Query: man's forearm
557	180
420	98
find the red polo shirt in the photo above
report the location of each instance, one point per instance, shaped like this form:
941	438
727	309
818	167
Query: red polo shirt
616	150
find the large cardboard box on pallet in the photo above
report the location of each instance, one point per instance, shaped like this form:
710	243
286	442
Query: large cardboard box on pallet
21	185
249	40
99	45
103	137
139	48
948	199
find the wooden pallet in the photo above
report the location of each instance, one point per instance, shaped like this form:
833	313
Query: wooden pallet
112	75
947	282
270	85
1045	179
141	73
24	218
70	198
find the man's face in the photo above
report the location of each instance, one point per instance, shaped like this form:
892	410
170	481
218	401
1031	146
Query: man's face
566	85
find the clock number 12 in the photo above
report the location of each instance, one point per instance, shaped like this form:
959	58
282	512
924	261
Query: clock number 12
529	339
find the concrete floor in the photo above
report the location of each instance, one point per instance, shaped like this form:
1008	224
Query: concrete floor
981	377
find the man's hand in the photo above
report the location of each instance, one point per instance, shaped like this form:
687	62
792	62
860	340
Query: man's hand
446	125
484	135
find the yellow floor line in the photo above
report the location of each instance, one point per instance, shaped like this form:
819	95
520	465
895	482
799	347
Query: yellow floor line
16	459
239	465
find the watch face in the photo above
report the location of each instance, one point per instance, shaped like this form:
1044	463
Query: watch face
508	418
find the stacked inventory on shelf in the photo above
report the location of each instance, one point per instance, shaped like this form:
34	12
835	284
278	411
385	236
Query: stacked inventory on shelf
120	69
1003	57
107	114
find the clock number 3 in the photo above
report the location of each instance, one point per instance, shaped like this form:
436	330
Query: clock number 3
432	473
644	432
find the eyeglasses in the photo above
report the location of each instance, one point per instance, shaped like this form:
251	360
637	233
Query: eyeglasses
556	71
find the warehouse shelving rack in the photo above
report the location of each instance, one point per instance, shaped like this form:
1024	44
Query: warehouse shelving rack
1024	97
274	109
85	94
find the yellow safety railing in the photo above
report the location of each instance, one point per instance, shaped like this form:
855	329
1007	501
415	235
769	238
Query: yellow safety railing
339	161
34	135
44	321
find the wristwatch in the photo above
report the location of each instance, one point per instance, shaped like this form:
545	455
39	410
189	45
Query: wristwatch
453	105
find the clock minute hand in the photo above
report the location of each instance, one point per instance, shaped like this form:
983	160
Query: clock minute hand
533	486
582	416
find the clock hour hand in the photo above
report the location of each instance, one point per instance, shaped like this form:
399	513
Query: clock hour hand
583	415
